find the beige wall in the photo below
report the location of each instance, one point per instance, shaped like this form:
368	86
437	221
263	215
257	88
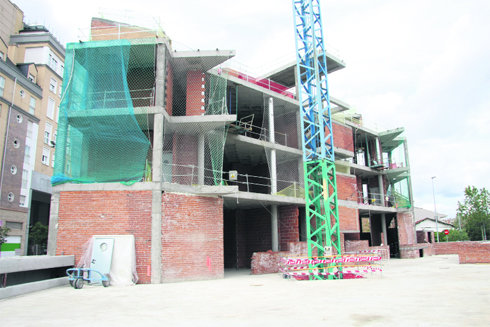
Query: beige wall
11	19
43	79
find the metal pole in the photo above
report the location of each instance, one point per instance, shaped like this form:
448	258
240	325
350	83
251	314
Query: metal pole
435	210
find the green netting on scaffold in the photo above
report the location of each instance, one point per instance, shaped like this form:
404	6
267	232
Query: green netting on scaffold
99	139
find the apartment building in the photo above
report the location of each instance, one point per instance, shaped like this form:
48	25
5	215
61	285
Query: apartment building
31	72
202	163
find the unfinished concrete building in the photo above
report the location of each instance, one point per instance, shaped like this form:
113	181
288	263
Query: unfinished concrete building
203	164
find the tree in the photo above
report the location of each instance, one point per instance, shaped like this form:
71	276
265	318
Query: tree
453	236
475	213
3	234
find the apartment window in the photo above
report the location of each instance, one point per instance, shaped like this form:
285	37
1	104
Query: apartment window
31	78
13	169
22	93
53	63
52	161
59	91
2	85
13	225
53	85
45	157
22	201
2	56
25	178
11	197
48	129
32	105
62	70
51	105
27	154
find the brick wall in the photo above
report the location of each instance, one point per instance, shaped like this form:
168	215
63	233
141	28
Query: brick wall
349	219
14	156
192	237
406	232
346	187
184	150
469	252
288	226
195	93
83	214
343	136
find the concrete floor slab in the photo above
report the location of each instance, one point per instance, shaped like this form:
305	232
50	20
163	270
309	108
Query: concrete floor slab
432	291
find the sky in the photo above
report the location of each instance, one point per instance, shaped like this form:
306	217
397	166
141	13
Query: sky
422	65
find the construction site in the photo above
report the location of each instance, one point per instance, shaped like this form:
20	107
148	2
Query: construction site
203	164
175	165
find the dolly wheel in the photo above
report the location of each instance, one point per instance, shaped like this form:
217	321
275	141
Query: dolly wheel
78	283
107	282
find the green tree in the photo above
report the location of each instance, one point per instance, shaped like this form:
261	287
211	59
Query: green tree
475	213
3	234
453	236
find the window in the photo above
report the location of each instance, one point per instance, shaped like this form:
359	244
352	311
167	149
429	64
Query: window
62	69
27	154
32	105
11	197
13	225
53	85
22	93
2	56
45	157
13	169
53	63
19	118
25	178
31	78
2	85
48	129
16	143
51	105
22	201
52	161
59	90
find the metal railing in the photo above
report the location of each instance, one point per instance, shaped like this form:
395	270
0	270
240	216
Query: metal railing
189	175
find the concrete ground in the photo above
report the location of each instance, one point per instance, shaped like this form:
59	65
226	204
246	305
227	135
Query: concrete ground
432	291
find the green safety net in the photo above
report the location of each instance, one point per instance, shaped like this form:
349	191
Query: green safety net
99	138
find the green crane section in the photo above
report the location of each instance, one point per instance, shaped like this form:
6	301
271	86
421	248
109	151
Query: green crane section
322	225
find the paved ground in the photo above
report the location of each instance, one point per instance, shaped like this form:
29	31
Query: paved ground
433	291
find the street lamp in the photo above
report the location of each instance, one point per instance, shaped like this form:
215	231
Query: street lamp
435	211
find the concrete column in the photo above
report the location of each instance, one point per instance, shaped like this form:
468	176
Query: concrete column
381	189
378	151
160	76
383	228
200	159
53	223
157	169
273	160
407	163
156	236
156	162
274	230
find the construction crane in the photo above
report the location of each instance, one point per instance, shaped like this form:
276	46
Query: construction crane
322	216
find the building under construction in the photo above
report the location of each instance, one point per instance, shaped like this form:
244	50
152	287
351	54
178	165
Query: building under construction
203	164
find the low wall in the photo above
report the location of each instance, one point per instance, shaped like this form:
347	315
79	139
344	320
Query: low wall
468	252
359	247
268	262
